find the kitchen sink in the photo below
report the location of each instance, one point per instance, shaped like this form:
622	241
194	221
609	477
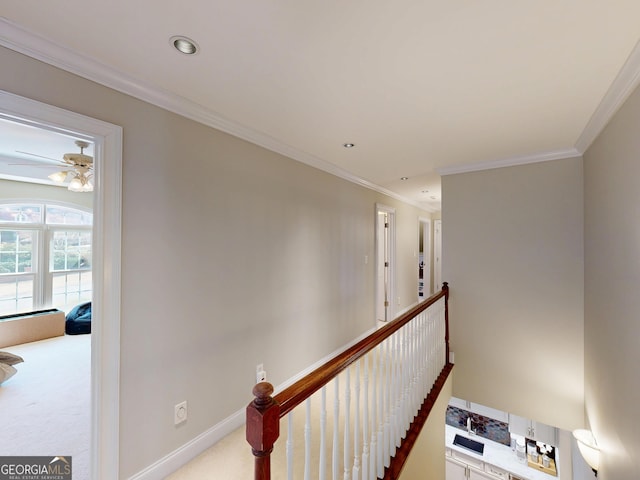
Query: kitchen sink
477	447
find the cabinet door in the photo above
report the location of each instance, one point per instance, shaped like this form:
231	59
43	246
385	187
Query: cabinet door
519	425
489	412
459	403
533	430
455	470
496	472
545	433
478	475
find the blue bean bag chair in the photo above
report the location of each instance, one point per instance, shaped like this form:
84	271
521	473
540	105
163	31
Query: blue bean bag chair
78	320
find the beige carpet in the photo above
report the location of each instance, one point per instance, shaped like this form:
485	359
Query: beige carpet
45	407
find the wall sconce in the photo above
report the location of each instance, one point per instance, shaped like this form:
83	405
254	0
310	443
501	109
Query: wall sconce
588	448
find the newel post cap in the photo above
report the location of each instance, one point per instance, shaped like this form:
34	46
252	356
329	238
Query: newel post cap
263	419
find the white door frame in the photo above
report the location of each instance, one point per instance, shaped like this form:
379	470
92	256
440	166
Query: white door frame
437	254
391	251
424	224
105	325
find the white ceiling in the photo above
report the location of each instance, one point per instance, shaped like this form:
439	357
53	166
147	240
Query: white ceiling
29	153
416	85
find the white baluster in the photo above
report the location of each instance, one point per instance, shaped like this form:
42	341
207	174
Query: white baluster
347	426
381	411
290	446
356	427
407	404
365	422
394	441
322	470
307	441
336	429
387	403
374	416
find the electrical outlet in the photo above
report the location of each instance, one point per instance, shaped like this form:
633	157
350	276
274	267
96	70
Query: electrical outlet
180	413
261	374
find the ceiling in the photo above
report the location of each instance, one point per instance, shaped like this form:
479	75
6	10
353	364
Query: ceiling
31	154
419	87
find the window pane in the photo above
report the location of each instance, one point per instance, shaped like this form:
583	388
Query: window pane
70	289
16	294
70	250
21	213
16	251
67	216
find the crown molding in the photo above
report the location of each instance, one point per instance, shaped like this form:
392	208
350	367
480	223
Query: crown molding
33	45
21	40
511	161
623	85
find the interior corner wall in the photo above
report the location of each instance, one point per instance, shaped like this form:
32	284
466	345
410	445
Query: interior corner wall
232	255
612	302
513	257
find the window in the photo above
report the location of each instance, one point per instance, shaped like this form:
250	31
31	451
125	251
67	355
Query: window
45	257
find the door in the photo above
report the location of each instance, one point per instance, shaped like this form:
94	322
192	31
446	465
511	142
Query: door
455	470
424	259
385	246
437	254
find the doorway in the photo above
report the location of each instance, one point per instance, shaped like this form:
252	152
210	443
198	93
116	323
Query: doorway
437	253
105	337
424	259
385	262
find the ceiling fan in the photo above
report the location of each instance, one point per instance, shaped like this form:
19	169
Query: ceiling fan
76	167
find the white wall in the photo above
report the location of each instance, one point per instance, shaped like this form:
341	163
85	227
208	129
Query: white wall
612	302
513	254
232	255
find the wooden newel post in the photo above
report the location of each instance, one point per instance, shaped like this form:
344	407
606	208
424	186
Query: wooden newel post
263	428
445	289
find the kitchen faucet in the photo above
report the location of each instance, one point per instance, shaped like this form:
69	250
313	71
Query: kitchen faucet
470	430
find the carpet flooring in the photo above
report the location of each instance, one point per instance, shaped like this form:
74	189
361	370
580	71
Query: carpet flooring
45	406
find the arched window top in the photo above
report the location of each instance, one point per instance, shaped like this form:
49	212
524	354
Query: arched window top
45	255
44	213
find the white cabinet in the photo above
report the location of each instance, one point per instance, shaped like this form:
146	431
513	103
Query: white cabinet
496	472
459	403
455	470
479	409
490	412
478	475
533	430
464	467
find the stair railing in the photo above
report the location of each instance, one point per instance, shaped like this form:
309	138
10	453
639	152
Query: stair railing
378	387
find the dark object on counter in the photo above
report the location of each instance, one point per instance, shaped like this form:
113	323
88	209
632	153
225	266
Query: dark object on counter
477	447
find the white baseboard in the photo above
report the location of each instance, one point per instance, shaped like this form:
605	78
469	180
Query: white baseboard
187	452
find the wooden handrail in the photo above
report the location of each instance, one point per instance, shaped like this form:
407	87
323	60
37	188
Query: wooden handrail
297	393
265	411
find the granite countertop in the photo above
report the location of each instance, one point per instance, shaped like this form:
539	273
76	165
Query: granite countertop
495	454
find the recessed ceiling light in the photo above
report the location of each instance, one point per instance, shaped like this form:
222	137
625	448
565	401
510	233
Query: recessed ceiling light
404	178
348	145
184	45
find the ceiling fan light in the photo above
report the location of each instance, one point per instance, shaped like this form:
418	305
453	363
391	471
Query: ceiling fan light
75	184
80	183
59	176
